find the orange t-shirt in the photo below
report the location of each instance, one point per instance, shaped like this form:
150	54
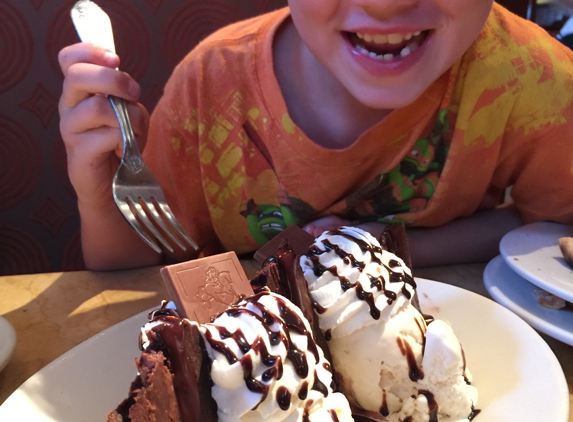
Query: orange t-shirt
237	170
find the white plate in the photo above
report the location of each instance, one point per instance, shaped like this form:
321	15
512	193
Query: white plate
517	374
7	342
532	252
516	293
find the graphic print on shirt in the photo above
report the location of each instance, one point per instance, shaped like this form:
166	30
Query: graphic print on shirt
408	186
265	220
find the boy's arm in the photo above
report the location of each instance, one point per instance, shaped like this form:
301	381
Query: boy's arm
109	243
467	239
92	138
464	240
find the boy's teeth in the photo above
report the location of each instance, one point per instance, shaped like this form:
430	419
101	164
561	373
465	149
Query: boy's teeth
387	47
410	48
396	38
380	39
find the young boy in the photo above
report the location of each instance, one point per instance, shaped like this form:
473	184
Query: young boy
357	112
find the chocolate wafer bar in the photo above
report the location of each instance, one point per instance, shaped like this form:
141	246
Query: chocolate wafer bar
203	288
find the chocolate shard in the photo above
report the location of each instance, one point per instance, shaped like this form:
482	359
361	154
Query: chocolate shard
204	287
281	273
298	240
394	239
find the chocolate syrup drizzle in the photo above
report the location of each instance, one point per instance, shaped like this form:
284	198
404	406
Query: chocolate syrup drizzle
396	276
474	413
415	372
288	322
384	411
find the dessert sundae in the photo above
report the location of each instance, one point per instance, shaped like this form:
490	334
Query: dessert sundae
331	334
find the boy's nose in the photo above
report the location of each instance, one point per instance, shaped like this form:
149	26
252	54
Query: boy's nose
387	9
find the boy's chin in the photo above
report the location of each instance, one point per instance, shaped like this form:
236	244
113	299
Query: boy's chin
389	100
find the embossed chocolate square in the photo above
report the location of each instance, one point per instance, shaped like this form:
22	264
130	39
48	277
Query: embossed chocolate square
297	239
204	287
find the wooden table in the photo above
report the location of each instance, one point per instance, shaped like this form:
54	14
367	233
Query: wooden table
54	312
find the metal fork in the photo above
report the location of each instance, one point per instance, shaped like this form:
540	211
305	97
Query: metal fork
136	191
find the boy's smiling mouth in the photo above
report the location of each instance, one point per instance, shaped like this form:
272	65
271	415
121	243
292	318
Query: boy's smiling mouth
387	47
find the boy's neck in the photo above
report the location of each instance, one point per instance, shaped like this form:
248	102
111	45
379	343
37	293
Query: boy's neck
317	103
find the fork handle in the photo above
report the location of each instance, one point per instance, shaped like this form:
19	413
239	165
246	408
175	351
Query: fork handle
131	155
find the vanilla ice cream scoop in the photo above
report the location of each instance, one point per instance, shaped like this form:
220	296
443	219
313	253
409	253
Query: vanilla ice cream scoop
267	366
392	363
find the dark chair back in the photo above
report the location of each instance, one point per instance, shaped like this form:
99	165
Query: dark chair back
523	8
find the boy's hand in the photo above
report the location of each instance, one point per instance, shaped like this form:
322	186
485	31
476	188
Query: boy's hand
88	125
320	225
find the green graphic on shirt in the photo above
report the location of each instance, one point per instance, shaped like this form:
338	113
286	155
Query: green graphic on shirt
408	186
265	221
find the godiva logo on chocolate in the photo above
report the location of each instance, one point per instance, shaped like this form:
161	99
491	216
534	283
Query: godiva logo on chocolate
203	287
218	288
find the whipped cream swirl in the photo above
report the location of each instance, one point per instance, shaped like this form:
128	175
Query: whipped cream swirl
353	282
267	366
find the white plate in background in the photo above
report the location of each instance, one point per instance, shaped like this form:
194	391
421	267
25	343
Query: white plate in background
7	342
515	371
515	293
532	252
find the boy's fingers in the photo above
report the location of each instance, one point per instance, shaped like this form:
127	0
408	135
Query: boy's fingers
97	142
139	118
96	111
86	53
85	79
92	127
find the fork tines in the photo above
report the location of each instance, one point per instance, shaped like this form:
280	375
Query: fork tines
156	217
